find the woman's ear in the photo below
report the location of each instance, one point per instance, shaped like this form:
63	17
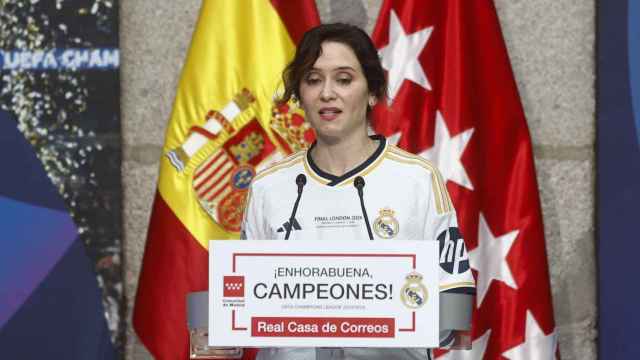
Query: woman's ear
372	101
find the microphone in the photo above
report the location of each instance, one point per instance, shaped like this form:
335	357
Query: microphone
301	181
359	184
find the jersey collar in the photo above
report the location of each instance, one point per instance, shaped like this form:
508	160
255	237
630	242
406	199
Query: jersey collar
361	170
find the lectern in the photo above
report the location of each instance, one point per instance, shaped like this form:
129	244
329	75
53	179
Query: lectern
346	294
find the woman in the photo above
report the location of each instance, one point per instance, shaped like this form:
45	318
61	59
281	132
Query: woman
329	190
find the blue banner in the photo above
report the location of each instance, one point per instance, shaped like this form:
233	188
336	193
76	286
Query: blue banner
61	289
50	303
618	177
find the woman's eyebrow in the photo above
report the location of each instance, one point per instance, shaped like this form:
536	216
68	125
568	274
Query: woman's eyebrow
339	68
345	68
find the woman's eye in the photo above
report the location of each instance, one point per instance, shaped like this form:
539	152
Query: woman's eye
312	80
344	81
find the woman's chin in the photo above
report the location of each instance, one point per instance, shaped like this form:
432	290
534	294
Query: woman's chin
334	133
329	138
329	132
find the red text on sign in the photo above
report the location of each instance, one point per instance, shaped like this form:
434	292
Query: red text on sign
322	327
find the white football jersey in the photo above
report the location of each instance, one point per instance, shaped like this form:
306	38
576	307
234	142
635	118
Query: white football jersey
404	196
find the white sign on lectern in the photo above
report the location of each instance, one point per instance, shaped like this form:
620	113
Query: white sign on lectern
323	294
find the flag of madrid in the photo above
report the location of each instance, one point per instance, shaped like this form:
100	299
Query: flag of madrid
453	100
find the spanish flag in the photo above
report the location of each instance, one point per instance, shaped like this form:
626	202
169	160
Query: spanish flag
224	127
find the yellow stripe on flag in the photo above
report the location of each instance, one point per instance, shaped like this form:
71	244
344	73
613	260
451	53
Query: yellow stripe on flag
236	45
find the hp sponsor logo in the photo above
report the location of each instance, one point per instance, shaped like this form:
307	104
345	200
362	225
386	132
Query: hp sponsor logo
453	255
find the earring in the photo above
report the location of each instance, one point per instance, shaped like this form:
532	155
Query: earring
295	103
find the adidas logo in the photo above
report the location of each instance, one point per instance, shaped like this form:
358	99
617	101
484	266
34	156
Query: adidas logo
286	226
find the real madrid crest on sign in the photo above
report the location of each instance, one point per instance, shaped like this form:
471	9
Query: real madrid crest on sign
414	294
386	225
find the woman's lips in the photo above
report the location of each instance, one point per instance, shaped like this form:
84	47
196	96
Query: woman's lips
329	114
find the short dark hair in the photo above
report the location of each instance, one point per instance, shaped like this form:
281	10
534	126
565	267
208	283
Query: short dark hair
310	48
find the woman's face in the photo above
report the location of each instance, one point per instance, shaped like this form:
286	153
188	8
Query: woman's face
334	94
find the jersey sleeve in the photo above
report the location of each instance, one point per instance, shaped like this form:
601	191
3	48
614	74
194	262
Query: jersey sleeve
442	226
455	270
457	285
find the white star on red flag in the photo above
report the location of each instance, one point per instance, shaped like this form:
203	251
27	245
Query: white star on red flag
490	258
446	153
400	57
536	344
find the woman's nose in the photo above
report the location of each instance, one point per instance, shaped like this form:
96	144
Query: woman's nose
327	92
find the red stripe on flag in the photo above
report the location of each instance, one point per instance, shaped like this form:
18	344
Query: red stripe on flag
208	165
174	265
222	178
217	193
297	16
214	173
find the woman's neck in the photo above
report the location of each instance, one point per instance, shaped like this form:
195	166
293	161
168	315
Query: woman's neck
340	157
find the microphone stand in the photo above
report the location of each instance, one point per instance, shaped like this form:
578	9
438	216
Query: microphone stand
358	182
301	180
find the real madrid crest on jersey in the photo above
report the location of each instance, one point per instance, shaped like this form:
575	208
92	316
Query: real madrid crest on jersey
414	294
386	225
